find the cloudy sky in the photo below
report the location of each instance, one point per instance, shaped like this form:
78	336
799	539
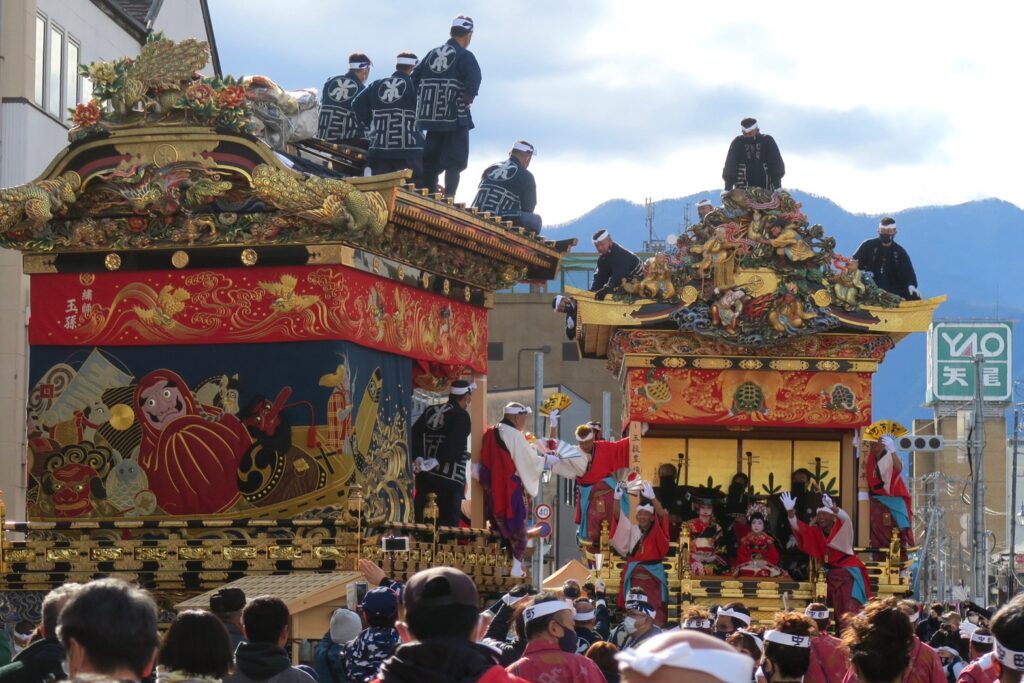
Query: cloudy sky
879	106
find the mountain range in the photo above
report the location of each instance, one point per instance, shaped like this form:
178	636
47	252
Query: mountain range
967	251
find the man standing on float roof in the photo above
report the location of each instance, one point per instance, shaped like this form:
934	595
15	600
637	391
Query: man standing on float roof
614	264
509	191
447	81
888	262
440	439
338	123
388	110
753	160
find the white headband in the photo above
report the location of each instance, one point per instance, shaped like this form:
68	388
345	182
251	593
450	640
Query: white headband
585	616
757	639
982	638
462	391
359	65
819	614
517	409
601	235
645	506
889	225
751	127
407	61
1009	658
700	624
585	439
459	22
542	609
825	509
704	202
636	597
641	606
523	147
722	664
789	639
745	618
558	300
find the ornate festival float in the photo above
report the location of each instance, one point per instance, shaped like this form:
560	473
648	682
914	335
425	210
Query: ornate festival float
745	353
226	337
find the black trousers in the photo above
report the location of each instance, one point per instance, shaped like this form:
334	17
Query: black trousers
447	152
449	498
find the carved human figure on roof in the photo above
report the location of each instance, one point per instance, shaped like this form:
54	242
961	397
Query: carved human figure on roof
657	279
726	311
789	313
788	244
718	258
849	285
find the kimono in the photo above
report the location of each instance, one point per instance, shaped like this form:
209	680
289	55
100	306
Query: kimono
446	80
597	484
753	547
645	568
704	557
506	189
845	575
829	660
509	467
890	499
338	122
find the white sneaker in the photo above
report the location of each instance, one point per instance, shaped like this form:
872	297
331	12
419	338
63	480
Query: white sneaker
517	570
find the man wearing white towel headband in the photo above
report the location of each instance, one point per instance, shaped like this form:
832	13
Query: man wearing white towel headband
508	190
447	82
1008	633
888	262
550	654
614	265
753	160
828	658
787	648
338	122
388	110
685	655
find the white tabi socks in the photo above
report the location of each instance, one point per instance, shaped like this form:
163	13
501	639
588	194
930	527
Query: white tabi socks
517	569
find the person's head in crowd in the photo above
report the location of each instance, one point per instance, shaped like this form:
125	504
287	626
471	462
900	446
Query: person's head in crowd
602	240
227	604
549	618
1008	633
731	618
704	207
462	30
108	627
684	656
441	603
887	230
522	151
640	614
586	614
667	475
380	607
799	481
25	631
53	603
461	392
345	626
196	644
359	66
935	611
747	642
603	654
517	414
571	589
981	643
953	619
265	620
405	62
787	647
879	640
819	614
947	655
911	609
696	618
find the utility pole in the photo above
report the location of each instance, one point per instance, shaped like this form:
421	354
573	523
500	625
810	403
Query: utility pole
1012	588
538	432
979	554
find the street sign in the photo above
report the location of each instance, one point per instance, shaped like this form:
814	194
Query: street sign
543	511
951	350
545	529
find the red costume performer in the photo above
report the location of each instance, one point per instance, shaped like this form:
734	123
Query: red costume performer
890	499
645	564
594	504
829	658
830	540
982	670
190	457
925	666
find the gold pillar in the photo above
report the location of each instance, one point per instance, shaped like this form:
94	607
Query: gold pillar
478	415
857	490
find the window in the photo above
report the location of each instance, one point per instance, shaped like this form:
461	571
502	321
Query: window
570	351
495	351
53	87
40	61
71	96
57	84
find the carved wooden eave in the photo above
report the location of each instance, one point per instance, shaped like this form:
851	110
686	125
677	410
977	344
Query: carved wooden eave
189	197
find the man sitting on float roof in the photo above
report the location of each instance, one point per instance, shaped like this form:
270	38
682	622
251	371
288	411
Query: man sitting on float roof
614	265
508	190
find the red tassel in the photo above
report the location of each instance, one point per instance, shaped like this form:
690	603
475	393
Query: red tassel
311	440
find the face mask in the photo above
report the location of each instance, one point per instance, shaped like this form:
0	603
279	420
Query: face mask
799	488
567	641
629	623
886	239
65	667
721	635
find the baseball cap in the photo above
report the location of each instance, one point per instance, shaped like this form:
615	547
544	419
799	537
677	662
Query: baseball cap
439	587
227	600
380	602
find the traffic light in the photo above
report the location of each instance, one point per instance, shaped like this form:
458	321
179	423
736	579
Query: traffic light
921	443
